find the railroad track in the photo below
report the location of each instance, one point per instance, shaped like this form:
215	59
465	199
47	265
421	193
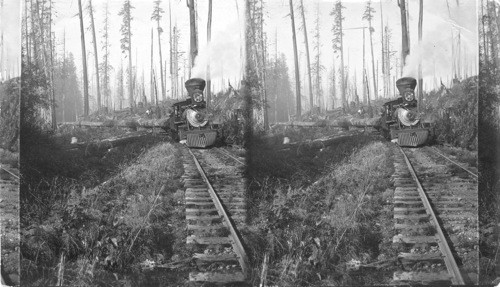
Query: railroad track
215	206
435	213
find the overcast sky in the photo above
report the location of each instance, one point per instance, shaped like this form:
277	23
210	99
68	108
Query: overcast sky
226	25
10	23
436	49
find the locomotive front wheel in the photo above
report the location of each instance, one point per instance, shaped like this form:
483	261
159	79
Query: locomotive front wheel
386	134
174	135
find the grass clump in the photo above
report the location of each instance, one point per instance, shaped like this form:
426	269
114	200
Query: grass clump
102	213
317	226
455	114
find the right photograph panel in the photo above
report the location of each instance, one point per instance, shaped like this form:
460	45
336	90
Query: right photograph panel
488	134
363	149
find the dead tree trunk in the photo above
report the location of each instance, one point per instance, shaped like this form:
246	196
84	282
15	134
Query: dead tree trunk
163	92
384	68
157	11
95	55
2	55
171	66
193	39
311	102
63	77
296	58
420	80
52	86
209	38
342	67
405	51
365	86
84	62
264	60
130	84
375	92
151	90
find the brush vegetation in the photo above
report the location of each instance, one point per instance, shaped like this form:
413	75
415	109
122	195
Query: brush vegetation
9	114
103	213
319	211
454	112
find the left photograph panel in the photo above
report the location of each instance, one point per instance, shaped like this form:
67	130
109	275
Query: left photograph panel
10	72
118	99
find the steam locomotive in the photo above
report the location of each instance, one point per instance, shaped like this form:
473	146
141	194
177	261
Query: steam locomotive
189	122
400	121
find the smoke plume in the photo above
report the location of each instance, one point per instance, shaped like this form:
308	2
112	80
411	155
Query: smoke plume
435	50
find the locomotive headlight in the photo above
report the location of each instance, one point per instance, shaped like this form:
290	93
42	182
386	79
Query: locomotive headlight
409	96
198	97
196	118
200	117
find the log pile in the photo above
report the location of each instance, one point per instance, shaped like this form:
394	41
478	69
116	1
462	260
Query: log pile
345	123
109	143
125	123
318	143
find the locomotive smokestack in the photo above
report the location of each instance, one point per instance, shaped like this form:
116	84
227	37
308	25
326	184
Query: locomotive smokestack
406	83
194	84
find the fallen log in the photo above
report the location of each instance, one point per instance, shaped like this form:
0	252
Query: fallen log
366	122
312	124
106	144
340	123
129	123
318	143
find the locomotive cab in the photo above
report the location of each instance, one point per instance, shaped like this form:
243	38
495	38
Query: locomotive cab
189	122
400	120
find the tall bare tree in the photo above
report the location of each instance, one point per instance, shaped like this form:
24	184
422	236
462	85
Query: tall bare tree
25	34
368	15
263	43
420	79
296	60
256	61
193	39
173	81
405	40
105	66
2	54
151	73
338	46
156	16
209	39
175	60
120	89
387	56
385	68
126	45
96	58
317	67
84	62
492	32
63	78
306	42
333	86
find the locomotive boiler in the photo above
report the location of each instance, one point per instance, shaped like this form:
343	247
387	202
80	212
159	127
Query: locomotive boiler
189	122
400	121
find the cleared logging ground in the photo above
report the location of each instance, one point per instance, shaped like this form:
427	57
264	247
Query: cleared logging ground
321	215
9	216
90	219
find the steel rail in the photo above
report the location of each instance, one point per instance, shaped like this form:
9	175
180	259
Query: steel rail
230	155
8	171
454	162
236	242
449	260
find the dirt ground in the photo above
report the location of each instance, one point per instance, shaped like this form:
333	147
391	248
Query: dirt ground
9	214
